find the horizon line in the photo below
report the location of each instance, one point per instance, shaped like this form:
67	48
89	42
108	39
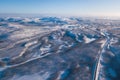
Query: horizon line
52	14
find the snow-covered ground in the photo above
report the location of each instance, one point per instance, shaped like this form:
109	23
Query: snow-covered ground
59	48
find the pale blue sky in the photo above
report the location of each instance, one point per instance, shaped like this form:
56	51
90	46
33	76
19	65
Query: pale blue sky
62	7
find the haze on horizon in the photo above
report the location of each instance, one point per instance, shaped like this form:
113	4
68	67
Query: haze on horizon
62	7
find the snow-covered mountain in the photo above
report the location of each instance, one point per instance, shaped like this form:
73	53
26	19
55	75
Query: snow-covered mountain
59	48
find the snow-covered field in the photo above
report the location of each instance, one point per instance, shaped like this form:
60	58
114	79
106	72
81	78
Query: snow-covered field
59	48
